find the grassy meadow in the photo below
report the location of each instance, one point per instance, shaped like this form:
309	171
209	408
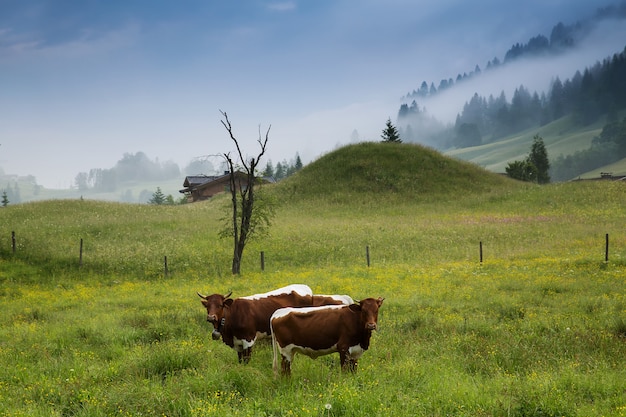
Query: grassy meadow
536	329
562	137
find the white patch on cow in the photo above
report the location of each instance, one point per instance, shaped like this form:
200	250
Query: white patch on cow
290	350
355	352
242	344
281	312
345	299
300	289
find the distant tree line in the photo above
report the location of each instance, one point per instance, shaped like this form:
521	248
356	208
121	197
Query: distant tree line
562	37
598	91
282	169
132	167
11	194
138	167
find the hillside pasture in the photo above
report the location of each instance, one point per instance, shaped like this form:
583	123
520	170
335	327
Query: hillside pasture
537	329
561	137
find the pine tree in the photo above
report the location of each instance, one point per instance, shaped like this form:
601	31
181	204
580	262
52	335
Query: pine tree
158	198
390	133
269	169
539	158
535	167
298	164
5	199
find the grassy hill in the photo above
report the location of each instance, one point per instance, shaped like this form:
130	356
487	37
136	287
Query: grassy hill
535	329
616	168
405	172
363	165
325	214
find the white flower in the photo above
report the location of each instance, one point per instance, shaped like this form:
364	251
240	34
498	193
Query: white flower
328	406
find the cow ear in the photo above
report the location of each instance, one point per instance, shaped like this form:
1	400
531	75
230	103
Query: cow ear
228	302
355	307
380	301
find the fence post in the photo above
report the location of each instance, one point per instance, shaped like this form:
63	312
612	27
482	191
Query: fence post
165	270
80	256
262	261
367	255
606	249
13	241
481	251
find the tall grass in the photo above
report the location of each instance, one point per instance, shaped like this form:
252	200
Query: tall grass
502	338
536	329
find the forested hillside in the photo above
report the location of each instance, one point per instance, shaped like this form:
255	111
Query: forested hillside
596	93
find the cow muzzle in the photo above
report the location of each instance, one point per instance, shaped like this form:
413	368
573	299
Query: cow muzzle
215	335
371	326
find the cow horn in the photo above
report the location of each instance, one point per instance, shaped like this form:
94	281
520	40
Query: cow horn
201	296
228	295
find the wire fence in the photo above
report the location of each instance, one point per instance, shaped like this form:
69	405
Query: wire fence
166	269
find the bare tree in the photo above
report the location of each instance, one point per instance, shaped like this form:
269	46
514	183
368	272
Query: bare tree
242	193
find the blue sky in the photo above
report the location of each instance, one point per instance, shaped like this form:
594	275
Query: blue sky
84	81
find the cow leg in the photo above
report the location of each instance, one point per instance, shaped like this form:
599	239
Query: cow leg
347	363
343	359
240	356
246	354
285	366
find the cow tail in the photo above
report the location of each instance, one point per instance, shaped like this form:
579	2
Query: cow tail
274	348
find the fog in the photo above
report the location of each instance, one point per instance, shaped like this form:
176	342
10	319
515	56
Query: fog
85	84
334	128
535	74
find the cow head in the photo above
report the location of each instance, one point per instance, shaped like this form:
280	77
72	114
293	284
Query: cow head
214	305
368	309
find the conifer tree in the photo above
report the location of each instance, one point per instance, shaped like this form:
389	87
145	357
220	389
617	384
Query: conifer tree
535	167
539	158
158	198
390	133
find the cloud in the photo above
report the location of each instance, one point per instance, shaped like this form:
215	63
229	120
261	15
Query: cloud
283	6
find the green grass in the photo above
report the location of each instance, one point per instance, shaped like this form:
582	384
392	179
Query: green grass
561	137
616	168
536	329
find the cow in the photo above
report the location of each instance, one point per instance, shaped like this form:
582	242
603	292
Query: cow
317	331
324	300
241	321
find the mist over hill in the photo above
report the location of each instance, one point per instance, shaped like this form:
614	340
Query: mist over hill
532	85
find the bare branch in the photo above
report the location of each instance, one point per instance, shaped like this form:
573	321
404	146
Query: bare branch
263	143
229	128
249	167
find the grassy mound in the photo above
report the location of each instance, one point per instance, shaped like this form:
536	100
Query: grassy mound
411	171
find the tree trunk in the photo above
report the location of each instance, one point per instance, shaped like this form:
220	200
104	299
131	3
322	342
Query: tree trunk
245	192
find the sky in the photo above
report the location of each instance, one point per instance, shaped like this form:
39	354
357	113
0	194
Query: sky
82	82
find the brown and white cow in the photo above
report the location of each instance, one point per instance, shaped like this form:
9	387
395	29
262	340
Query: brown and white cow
241	321
317	331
